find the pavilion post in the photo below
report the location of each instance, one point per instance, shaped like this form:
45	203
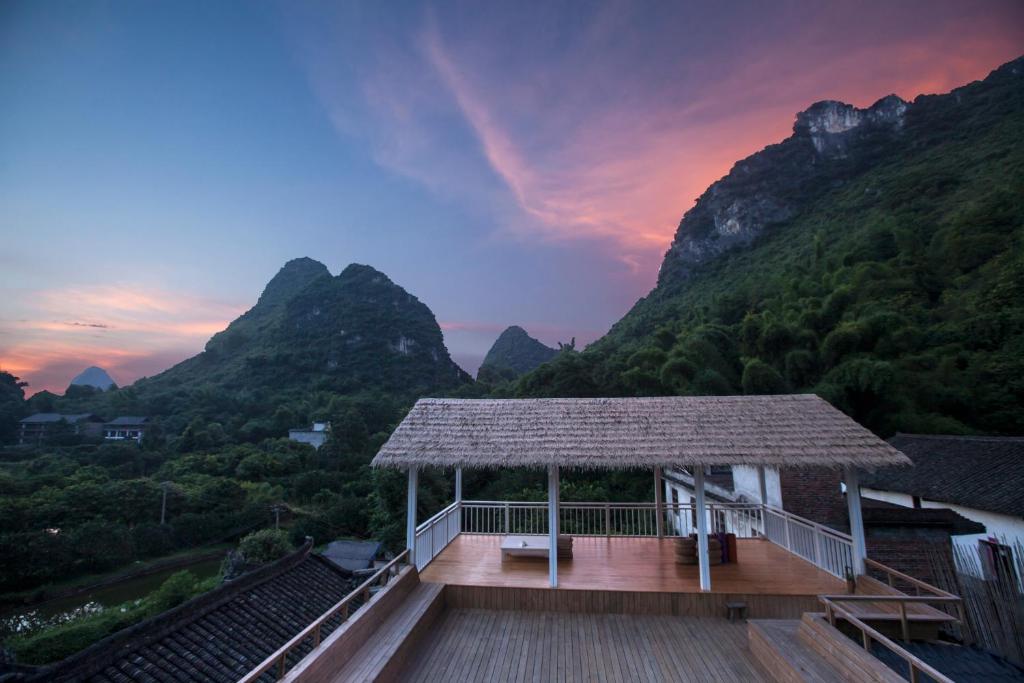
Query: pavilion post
659	503
553	525
856	520
410	519
702	529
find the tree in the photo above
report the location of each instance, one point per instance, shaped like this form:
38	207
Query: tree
12	406
761	378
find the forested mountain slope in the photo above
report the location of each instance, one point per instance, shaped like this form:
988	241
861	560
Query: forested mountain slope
875	257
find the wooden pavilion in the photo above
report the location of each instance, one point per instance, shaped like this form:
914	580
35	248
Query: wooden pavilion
693	432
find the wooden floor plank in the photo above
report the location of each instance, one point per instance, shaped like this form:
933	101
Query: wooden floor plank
630	564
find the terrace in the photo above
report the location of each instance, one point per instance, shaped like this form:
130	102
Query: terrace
621	604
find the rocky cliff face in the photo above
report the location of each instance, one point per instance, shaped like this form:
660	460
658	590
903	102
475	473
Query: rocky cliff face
830	142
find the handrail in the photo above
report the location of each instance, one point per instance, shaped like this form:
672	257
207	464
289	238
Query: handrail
449	520
868	634
280	656
916	583
809	523
437	517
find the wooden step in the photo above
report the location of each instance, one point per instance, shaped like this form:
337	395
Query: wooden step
381	657
843	653
777	646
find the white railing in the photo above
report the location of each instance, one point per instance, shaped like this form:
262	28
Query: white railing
608	519
822	546
436	533
826	548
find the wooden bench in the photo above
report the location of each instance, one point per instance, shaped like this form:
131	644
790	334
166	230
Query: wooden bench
383	654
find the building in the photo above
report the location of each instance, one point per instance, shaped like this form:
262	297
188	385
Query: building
354	556
217	636
553	590
316	435
130	428
37	429
977	477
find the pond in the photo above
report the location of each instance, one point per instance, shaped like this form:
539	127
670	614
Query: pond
60	610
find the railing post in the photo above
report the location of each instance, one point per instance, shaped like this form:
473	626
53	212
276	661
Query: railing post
904	624
281	665
508	526
817	545
789	545
607	519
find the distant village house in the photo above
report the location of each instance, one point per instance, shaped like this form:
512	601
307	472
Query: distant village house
315	435
37	429
127	428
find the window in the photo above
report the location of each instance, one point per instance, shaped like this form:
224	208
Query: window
996	559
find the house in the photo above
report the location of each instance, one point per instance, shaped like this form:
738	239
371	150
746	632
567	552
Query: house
354	556
132	428
315	435
977	477
557	590
36	429
903	539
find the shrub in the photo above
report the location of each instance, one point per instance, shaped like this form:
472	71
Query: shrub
265	545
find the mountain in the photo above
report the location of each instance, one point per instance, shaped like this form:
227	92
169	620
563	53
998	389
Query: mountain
875	257
93	377
311	331
514	353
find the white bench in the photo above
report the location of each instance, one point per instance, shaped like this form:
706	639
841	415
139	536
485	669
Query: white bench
534	546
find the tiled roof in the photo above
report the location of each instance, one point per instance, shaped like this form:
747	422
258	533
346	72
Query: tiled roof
981	472
960	663
797	430
219	636
352	555
55	417
128	420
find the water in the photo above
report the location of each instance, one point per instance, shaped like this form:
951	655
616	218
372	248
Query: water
61	610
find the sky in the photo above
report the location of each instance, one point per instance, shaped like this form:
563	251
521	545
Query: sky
507	163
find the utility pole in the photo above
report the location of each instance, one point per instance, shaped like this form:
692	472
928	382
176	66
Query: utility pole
276	509
163	503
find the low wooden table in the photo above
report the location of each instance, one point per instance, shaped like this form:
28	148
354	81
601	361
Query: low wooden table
525	546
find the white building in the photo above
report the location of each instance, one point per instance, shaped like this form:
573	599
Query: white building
978	477
315	435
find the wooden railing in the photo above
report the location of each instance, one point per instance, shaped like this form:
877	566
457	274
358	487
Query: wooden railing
915	665
278	661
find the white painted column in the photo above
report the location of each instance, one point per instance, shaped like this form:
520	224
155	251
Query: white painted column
410	515
762	485
553	525
458	500
856	520
659	503
702	530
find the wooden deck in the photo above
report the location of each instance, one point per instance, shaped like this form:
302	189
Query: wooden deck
490	645
629	564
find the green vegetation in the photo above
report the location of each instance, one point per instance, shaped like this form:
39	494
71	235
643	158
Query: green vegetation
60	641
898	295
265	545
513	353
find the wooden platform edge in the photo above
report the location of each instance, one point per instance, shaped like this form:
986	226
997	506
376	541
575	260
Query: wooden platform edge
626	602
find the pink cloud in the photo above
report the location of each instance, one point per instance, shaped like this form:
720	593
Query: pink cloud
129	330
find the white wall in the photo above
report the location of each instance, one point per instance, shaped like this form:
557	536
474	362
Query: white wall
744	481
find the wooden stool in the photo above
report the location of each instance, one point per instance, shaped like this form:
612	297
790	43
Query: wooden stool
735	610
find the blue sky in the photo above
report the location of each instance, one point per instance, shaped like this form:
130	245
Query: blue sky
508	164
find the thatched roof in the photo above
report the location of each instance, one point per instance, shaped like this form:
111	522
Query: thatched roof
799	430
